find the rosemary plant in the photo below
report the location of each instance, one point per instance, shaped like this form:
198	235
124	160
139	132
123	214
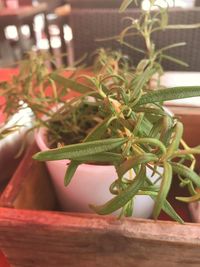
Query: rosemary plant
116	118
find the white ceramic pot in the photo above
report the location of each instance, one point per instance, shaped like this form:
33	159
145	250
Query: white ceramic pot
11	145
90	185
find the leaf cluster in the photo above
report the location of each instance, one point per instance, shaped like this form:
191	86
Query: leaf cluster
116	118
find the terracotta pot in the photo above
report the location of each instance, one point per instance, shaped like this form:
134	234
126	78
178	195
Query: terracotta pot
90	184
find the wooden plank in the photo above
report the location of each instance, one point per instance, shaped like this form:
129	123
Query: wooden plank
32	238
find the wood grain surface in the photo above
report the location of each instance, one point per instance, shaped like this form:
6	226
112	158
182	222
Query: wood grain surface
50	239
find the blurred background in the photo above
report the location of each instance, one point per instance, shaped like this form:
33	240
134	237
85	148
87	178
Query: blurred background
44	25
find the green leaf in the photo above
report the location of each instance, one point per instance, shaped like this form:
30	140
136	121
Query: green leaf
132	47
71	169
128	209
175	60
145	126
186	172
79	150
188	151
154	111
171	46
127	123
138	125
134	161
164	18
142	80
99	130
124	5
169	94
105	157
71	84
151	141
196	197
164	189
121	200
156	129
183	26
167	130
142	65
167	208
178	133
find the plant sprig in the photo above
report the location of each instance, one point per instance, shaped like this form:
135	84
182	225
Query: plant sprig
115	116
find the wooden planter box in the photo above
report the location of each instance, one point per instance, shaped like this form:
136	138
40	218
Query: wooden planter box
33	233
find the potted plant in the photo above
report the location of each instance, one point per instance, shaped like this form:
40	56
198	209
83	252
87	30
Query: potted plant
118	120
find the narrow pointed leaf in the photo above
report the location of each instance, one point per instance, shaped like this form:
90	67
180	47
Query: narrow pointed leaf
128	124
121	200
71	84
143	79
135	161
175	60
156	129
189	199
164	20
132	47
167	130
151	141
183	26
178	133
99	130
105	157
189	151
164	189
168	209
169	94
71	169
171	46
124	5
145	126
79	150
186	172
138	123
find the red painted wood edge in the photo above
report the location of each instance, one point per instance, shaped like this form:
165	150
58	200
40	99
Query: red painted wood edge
3	260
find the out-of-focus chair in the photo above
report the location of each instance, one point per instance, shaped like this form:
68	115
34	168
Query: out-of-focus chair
15	34
51	25
91	24
57	19
18	15
62	20
197	3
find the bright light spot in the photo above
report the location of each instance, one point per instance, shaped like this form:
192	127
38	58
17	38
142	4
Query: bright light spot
169	3
68	33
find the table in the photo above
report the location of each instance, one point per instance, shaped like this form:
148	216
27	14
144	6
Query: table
20	16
